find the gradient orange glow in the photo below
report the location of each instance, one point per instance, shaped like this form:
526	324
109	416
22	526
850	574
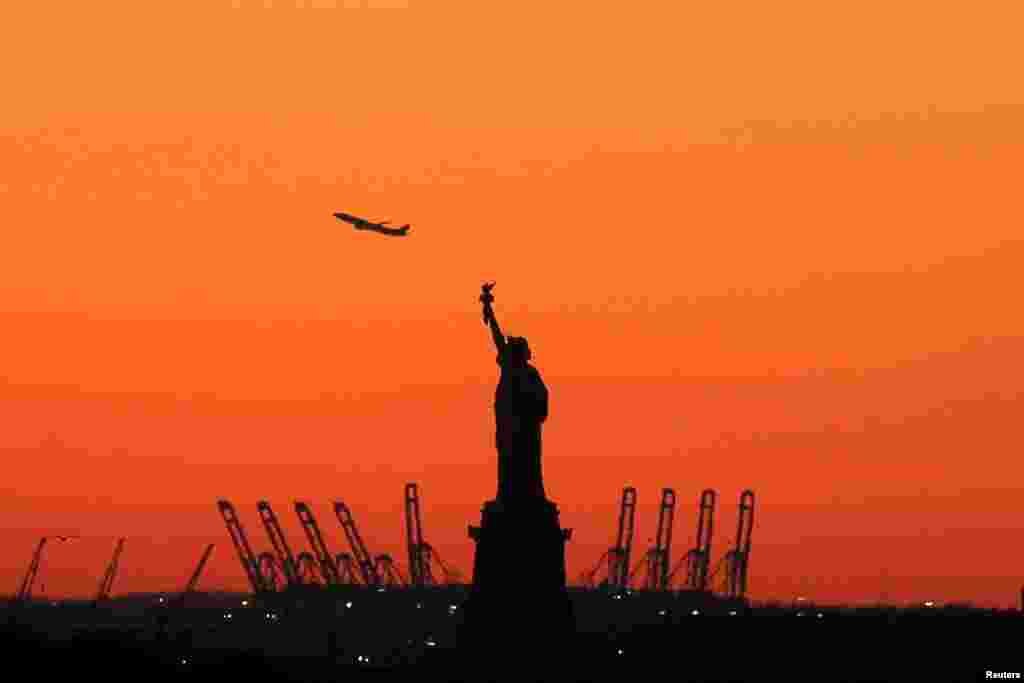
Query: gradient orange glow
774	247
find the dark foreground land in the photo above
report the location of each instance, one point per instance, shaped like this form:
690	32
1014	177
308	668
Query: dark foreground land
411	635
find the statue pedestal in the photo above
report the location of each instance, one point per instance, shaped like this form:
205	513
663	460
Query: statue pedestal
518	598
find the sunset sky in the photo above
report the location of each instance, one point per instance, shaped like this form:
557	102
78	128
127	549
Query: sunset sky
773	246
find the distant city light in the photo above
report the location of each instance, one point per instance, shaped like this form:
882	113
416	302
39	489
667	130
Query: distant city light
245	603
695	612
430	642
732	613
381	589
662	612
227	615
820	615
929	604
348	605
619	651
799	614
184	661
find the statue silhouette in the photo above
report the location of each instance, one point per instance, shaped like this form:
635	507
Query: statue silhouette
519	561
520	409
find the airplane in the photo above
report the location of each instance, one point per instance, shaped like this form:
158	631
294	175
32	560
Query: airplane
381	227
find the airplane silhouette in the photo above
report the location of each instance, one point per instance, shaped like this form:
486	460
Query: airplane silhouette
362	224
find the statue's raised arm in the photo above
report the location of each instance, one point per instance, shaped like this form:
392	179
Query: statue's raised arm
486	298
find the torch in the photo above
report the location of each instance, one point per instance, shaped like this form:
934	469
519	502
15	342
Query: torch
486	298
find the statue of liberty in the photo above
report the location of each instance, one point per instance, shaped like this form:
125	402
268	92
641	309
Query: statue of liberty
520	409
506	591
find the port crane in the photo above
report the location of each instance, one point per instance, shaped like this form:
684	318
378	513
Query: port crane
656	559
422	555
286	561
615	560
364	561
740	555
253	566
696	561
331	567
736	561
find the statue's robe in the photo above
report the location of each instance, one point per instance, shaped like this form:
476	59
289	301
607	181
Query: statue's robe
520	408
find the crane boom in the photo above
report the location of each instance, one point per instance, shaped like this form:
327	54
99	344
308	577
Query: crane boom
250	563
705	527
367	568
620	555
589	578
193	580
277	539
666	514
25	591
615	560
422	556
697	559
107	582
419	566
323	556
656	558
739	556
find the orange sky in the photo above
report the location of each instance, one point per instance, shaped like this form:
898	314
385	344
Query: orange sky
774	248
